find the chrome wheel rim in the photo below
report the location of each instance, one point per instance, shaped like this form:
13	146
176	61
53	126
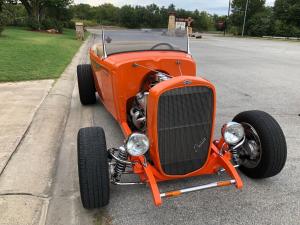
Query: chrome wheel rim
254	145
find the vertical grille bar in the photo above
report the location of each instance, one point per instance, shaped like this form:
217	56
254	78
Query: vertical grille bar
184	128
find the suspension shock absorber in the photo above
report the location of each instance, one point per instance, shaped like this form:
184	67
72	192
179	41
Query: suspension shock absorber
120	166
235	157
235	151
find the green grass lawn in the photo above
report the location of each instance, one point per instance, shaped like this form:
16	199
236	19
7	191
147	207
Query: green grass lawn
28	55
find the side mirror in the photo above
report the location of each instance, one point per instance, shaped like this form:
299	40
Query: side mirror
108	39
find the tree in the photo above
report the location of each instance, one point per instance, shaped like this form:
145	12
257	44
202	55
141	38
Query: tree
106	14
287	18
82	11
219	22
171	8
164	16
202	21
238	11
288	11
142	15
15	13
3	16
1	5
152	16
36	9
260	23
128	17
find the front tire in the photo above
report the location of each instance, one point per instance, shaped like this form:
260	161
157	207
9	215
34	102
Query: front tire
86	84
273	149
93	167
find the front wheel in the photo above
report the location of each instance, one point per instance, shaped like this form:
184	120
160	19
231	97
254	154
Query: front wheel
266	143
93	167
86	84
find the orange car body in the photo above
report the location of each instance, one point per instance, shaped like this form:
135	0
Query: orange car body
117	79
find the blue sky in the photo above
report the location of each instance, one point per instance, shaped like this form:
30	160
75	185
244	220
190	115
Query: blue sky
212	6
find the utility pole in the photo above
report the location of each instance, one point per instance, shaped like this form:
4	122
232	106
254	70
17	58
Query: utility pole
245	15
226	20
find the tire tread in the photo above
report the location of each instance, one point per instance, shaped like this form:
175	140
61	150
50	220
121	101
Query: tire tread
93	167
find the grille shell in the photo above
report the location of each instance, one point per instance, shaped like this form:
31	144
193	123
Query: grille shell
184	123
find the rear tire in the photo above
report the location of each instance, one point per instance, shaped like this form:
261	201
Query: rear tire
86	84
273	144
93	167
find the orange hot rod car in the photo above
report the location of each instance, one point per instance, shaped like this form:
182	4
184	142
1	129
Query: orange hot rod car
167	115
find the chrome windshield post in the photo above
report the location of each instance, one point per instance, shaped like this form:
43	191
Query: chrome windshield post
188	41
103	45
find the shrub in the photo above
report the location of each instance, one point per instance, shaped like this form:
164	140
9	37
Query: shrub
59	26
50	23
33	23
294	31
234	30
20	22
47	24
259	25
69	24
281	28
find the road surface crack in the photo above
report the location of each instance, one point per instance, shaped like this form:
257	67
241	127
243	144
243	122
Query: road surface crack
26	194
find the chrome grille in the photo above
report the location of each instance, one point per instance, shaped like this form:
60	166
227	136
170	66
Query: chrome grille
184	128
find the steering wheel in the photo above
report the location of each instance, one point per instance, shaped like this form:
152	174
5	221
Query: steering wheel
159	44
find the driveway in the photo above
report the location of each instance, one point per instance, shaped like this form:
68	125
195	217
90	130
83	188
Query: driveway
248	74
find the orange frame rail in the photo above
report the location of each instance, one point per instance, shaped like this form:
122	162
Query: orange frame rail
151	176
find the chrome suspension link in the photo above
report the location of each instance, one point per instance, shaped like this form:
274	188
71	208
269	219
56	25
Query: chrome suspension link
111	151
120	164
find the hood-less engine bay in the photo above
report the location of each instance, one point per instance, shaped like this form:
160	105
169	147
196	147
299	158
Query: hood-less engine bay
138	112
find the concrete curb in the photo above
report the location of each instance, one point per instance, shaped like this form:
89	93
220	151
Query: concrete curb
29	173
282	38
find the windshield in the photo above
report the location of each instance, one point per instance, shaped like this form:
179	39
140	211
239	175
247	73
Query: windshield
118	41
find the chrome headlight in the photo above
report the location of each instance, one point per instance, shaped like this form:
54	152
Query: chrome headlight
233	133
137	144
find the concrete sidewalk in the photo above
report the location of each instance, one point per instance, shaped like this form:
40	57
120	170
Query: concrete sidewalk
26	179
18	104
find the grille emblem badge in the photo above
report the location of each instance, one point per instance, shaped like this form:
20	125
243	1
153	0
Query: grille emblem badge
198	146
186	82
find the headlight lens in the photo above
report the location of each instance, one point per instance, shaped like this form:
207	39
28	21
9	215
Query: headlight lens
137	144
232	133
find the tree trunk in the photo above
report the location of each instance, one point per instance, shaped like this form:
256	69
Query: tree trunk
33	9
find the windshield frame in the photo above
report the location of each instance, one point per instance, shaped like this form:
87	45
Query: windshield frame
105	54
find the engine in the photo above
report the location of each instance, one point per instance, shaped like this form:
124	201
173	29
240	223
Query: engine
137	113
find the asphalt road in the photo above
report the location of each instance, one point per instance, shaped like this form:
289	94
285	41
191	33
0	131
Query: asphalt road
248	74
